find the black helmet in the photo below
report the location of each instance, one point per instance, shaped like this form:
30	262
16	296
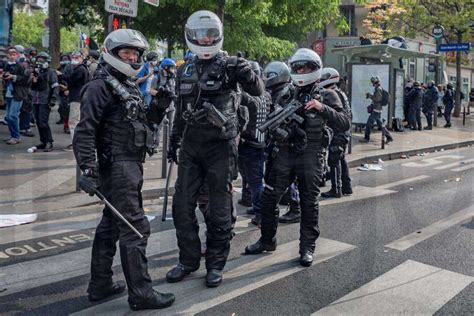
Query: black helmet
416	84
151	56
94	54
450	85
124	38
276	73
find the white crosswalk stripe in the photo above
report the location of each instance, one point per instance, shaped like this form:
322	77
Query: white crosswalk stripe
412	288
454	164
242	275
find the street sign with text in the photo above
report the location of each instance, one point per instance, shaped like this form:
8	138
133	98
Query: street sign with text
155	3
463	47
437	32
122	7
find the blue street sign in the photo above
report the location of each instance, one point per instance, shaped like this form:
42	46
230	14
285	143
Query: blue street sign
455	47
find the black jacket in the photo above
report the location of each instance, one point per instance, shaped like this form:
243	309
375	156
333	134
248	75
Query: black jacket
21	81
76	77
415	98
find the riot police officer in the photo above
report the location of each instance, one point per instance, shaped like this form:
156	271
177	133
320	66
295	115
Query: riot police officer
300	155
205	127
277	79
339	169
114	127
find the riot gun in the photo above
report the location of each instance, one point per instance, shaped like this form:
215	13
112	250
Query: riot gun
279	120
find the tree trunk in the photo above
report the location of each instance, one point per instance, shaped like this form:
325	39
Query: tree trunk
457	106
220	10
54	15
170	48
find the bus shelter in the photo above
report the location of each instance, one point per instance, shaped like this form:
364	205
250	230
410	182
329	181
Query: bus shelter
380	60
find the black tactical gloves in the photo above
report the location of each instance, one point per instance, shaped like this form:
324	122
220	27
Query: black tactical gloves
88	181
244	71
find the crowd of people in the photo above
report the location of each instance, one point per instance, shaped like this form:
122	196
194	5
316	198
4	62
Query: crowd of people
284	127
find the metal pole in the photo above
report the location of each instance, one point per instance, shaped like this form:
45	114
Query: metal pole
78	174
464	116
164	160
437	81
116	212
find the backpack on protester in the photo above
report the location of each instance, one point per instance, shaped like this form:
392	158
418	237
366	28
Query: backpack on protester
385	97
397	125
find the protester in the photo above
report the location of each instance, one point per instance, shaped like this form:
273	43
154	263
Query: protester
375	111
17	82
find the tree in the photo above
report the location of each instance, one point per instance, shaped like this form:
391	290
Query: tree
28	30
413	17
263	29
54	31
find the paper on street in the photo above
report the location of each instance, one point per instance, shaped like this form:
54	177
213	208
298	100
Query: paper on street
14	219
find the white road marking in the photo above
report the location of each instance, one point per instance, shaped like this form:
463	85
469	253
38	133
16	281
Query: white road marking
427	162
241	276
463	168
26	275
414	238
362	192
454	164
411	288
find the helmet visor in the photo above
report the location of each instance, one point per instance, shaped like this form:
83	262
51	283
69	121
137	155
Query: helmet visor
204	36
303	67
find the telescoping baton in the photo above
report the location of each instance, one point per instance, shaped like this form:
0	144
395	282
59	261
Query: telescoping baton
102	197
167	187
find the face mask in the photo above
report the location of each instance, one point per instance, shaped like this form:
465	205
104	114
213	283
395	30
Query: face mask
64	62
75	62
11	62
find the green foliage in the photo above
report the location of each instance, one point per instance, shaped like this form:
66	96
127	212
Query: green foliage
28	30
263	29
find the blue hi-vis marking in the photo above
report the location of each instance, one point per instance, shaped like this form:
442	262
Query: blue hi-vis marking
188	71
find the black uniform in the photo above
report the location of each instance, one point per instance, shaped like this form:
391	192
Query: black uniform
117	130
207	152
339	169
304	165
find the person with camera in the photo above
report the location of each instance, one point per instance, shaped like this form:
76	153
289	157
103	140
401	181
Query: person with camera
76	77
205	129
375	111
298	154
110	144
16	80
45	93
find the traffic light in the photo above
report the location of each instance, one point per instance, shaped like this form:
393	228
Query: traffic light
118	22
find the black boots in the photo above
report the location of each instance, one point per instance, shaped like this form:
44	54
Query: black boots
178	273
331	194
156	301
48	147
259	247
306	258
213	278
293	215
95	295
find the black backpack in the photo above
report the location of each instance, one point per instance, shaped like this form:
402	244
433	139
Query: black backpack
385	97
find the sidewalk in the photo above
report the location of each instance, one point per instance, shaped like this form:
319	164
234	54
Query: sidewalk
45	182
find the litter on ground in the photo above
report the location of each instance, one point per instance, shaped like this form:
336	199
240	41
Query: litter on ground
8	220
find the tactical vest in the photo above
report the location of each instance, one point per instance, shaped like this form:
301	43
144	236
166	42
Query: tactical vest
208	81
314	124
125	134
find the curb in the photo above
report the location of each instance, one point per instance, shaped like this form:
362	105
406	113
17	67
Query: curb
411	152
159	192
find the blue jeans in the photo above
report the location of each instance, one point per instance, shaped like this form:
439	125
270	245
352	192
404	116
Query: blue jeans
251	161
13	117
374	117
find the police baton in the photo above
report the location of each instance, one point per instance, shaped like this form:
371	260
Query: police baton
102	197
167	187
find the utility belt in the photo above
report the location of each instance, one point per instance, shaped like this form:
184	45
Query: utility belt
134	137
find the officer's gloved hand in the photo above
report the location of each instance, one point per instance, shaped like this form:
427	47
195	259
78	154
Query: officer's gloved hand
243	70
88	181
173	153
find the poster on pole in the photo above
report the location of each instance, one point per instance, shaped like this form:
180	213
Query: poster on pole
399	93
155	3
361	85
122	7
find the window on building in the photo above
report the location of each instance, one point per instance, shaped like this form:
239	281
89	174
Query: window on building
412	68
348	12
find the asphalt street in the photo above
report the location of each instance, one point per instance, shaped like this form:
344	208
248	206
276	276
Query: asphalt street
402	243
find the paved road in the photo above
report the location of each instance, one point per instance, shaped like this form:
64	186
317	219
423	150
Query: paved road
401	244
